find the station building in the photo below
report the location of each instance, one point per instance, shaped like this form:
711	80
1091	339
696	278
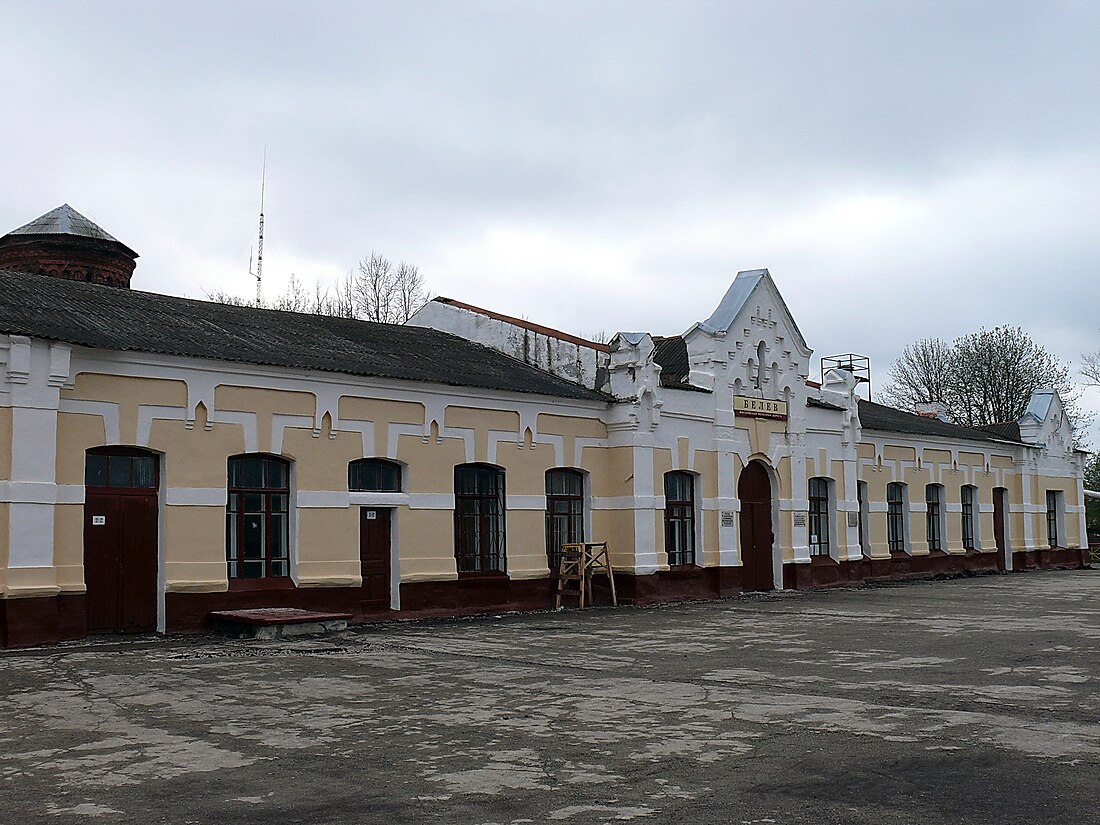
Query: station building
162	458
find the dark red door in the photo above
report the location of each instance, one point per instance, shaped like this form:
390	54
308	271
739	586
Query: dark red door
755	493
374	557
120	562
999	527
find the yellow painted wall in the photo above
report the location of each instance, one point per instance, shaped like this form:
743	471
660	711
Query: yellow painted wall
68	547
321	463
427	545
526	542
264	403
481	422
383	414
570	428
431	465
129	394
76	433
328	547
195	457
194	549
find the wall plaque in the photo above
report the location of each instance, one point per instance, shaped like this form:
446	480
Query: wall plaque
759	407
729	518
799	519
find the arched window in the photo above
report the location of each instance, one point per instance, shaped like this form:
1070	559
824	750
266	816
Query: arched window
680	518
257	518
933	500
564	512
479	519
818	489
895	516
968	494
374	475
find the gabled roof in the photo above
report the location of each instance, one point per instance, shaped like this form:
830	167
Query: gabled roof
887	419
1038	406
738	295
91	315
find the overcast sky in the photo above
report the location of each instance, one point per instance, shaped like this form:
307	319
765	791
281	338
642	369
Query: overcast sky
903	169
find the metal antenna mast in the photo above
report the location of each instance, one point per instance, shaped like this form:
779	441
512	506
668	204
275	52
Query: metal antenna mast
259	273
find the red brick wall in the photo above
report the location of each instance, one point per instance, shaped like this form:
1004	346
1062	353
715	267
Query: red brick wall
97	262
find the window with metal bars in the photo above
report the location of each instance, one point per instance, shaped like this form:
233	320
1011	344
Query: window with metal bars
968	516
1052	517
933	500
819	516
479	519
564	512
895	516
257	518
374	475
680	518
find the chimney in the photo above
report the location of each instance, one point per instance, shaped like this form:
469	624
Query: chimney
935	409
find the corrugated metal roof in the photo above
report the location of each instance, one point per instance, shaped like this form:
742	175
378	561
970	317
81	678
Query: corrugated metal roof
887	419
96	316
64	221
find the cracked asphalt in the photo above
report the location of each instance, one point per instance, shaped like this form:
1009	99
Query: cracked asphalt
970	700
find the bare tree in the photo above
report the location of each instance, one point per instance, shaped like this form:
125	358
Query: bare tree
410	294
387	294
374	291
920	375
1090	367
984	377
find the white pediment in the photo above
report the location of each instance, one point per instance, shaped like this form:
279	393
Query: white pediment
752	337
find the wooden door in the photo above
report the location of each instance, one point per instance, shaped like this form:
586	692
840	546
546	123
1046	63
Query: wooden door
374	556
999	527
120	562
754	491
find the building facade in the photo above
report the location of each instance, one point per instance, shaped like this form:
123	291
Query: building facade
162	458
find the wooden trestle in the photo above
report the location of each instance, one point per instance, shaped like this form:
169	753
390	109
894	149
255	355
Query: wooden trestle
579	562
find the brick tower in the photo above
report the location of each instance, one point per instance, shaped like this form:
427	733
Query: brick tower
65	244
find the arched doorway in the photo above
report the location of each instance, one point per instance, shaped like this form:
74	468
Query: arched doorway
120	539
754	489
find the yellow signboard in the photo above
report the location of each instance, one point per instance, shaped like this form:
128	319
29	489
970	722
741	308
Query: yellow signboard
759	407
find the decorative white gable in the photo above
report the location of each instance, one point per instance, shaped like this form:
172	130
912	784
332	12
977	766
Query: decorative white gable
751	338
1045	423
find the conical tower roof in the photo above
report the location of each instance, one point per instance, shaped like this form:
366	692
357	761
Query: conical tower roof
65	221
65	244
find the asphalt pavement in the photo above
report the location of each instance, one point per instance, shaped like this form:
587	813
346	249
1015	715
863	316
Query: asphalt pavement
972	700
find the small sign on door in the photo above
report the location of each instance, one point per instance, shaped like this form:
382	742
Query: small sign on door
372	514
98	521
